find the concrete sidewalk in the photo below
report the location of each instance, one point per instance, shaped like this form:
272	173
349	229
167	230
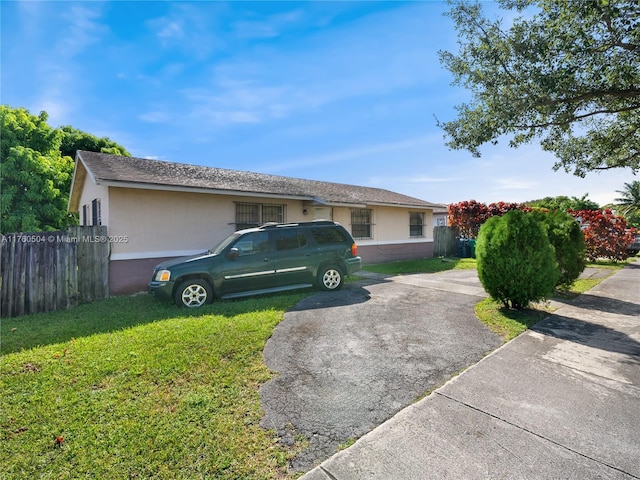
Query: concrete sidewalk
561	401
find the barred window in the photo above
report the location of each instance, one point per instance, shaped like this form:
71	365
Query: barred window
416	224
361	225
250	215
273	213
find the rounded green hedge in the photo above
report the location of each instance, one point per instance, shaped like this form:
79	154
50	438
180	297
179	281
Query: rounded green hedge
516	262
568	241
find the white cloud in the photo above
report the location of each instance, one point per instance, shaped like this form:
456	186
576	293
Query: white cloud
189	28
154	117
269	27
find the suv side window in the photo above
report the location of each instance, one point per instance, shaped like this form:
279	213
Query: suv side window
255	242
328	235
290	239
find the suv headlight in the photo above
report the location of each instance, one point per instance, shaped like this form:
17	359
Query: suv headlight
163	276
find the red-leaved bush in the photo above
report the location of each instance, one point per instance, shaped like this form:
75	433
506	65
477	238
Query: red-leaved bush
605	234
468	216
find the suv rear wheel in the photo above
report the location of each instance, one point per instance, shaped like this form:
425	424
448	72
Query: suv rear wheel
330	278
193	293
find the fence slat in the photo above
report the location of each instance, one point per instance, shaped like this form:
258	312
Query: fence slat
45	271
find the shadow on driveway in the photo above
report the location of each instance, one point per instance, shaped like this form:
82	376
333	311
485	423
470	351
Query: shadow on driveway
349	360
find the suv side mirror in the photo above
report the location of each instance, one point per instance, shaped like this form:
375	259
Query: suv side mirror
233	253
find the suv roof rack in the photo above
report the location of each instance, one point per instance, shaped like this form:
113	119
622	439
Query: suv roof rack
297	224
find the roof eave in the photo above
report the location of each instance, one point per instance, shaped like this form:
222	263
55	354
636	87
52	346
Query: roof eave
210	191
80	173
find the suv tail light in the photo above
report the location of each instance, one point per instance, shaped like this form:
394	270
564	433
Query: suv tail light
354	250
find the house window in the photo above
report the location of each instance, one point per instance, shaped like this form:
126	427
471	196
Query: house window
85	215
416	224
361	223
249	215
273	213
95	212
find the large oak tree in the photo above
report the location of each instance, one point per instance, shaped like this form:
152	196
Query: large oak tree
566	73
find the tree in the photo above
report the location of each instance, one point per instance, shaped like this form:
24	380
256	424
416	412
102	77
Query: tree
563	72
35	177
36	169
516	263
565	203
628	204
74	140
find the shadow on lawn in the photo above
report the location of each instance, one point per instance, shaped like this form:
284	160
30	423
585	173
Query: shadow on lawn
119	313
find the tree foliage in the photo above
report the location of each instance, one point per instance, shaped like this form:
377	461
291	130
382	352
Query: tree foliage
605	234
35	176
516	263
568	242
36	169
564	203
628	204
469	216
74	140
565	73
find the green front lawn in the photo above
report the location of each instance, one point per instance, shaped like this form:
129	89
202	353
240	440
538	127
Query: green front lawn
130	387
423	265
133	388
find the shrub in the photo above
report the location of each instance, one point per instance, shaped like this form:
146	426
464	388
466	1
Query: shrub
606	234
568	241
516	262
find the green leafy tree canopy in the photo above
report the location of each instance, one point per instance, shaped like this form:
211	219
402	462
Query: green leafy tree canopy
35	176
36	170
564	203
74	140
565	73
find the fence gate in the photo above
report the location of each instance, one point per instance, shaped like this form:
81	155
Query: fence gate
444	241
45	271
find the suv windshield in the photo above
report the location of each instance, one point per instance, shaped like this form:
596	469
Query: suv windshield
222	245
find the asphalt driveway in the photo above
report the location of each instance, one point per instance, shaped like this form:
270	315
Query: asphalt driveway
349	360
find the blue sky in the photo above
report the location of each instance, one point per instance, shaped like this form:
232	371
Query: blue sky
345	92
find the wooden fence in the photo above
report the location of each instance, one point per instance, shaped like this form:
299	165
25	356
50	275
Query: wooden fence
444	241
45	271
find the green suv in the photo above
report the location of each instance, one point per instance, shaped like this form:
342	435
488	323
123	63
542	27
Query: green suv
266	259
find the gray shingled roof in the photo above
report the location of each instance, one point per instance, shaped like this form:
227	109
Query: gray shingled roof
113	168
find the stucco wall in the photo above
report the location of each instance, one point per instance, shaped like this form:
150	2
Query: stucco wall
162	224
159	223
90	192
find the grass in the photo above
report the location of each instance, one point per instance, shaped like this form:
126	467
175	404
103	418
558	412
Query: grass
509	323
133	388
424	265
505	322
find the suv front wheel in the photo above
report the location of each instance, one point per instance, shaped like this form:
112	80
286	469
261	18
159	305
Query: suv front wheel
193	293
330	278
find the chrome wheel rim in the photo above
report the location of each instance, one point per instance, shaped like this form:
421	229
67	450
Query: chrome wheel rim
194	296
331	279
